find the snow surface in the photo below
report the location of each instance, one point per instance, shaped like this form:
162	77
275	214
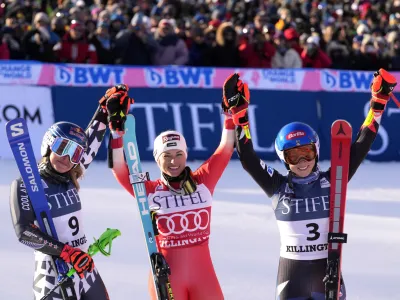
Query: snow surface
244	241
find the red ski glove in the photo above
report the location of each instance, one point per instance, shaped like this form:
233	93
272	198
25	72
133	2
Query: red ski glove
381	88
236	99
118	105
79	260
110	91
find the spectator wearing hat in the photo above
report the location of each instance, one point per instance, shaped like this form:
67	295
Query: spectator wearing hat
256	52
135	46
285	57
74	47
312	55
116	25
171	49
58	25
38	43
292	38
78	14
101	40
225	53
199	51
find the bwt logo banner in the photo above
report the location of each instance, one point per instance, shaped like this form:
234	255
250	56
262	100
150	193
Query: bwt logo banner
88	75
180	77
346	80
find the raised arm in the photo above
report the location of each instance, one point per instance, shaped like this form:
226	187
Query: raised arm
236	99
97	126
266	177
382	87
95	133
211	170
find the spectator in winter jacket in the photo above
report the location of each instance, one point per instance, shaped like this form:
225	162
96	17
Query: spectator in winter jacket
292	38
58	24
225	53
366	59
101	40
313	56
256	52
199	52
285	57
171	49
4	52
395	54
12	35
38	43
339	55
135	46
74	47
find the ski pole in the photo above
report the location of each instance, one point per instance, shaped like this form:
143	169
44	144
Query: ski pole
102	245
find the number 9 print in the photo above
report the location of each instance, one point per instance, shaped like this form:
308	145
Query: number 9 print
74	224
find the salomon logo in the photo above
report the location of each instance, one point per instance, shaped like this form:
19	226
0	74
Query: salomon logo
295	134
28	168
17	129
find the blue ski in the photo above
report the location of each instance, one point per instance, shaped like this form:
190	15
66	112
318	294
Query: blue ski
160	268
20	143
21	146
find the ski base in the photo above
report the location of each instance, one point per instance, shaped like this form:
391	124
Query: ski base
137	177
341	135
21	146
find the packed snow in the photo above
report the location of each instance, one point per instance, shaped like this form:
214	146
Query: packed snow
244	240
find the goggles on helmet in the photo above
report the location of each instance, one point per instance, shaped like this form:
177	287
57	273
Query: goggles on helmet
294	155
62	146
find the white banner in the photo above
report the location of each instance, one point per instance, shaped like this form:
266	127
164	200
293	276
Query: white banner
31	103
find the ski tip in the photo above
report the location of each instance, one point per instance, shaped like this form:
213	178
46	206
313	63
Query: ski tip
14	121
16	129
341	127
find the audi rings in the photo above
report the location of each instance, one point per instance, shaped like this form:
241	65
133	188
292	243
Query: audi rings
185	221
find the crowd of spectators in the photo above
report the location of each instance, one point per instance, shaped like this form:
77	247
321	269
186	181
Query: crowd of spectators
338	34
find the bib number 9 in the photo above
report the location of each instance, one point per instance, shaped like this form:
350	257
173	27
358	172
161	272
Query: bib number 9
74	224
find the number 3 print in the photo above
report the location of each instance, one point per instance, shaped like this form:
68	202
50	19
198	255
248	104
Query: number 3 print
313	231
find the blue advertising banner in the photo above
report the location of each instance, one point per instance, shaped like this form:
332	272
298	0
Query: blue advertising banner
196	113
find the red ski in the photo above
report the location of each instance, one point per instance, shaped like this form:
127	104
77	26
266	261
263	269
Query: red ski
341	135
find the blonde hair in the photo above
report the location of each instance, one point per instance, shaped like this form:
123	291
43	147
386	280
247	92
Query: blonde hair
75	173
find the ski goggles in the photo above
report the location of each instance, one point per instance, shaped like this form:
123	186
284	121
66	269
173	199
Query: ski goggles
294	155
62	147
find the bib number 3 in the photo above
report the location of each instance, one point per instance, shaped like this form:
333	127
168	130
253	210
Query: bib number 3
314	231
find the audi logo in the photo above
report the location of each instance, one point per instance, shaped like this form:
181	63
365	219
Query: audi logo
179	223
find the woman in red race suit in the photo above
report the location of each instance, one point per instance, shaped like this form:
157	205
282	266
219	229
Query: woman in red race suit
182	200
